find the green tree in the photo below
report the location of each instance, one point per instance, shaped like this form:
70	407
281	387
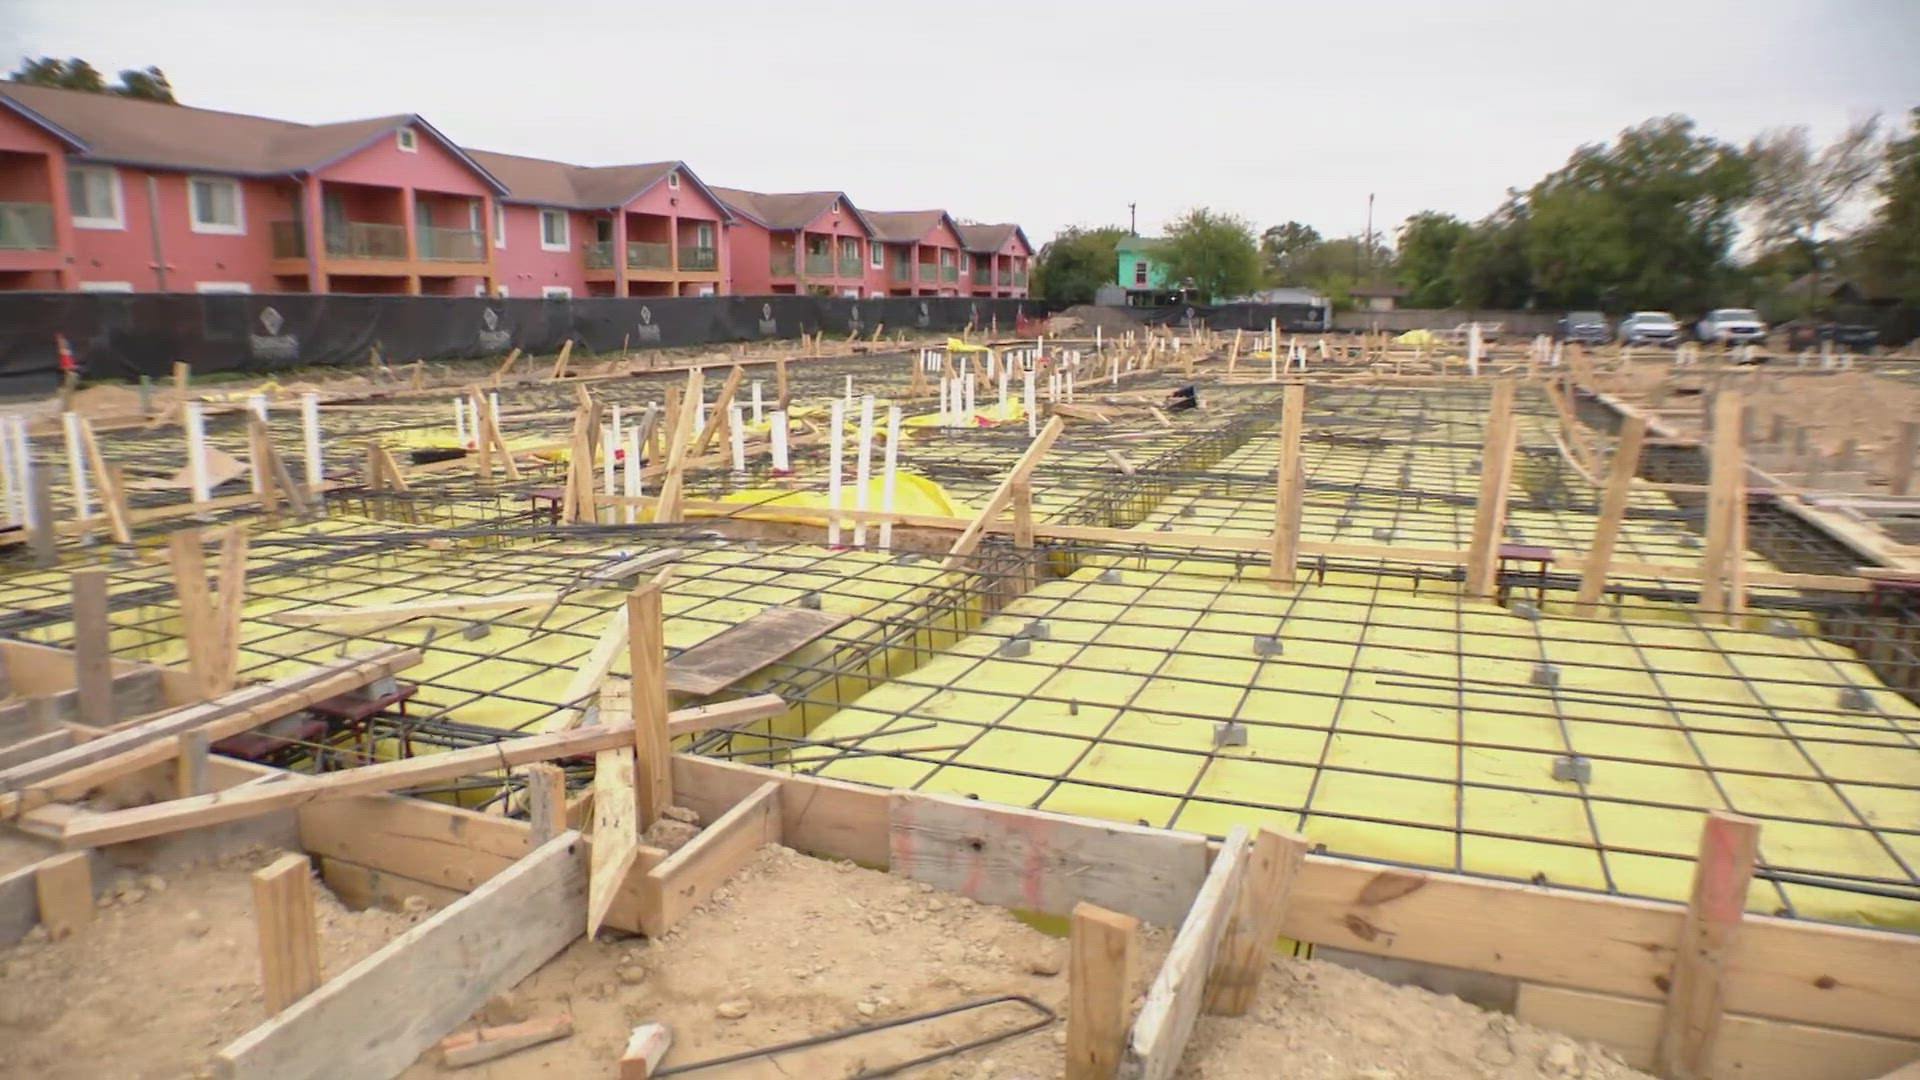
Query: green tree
1280	243
1490	267
76	74
1076	262
1647	221
1425	261
1797	190
1213	253
1889	246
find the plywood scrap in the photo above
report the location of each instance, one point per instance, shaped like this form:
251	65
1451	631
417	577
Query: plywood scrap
382	1013
289	938
740	650
487	1043
63	886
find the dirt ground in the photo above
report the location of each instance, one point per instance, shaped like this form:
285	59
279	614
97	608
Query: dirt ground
167	973
795	947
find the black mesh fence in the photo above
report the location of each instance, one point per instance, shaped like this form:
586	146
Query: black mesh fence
126	335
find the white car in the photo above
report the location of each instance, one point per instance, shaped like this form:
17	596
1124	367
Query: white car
1732	326
1649	328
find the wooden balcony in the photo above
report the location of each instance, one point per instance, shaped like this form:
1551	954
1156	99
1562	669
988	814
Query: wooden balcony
700	260
367	240
452	245
26	226
780	264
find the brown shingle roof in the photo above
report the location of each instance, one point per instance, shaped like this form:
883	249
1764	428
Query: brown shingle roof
789	210
904	226
988	239
583	187
130	131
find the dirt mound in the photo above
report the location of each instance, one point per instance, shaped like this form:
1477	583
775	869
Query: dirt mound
1083	318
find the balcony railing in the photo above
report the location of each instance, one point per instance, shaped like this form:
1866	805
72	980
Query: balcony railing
819	264
289	240
950	273
929	272
452	245
850	268
26	226
1019	277
699	258
599	254
649	255
780	264
899	272
365	240
1006	277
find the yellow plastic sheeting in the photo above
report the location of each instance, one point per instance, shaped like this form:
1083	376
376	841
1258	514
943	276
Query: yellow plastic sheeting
912	494
955	345
1417	337
1398	725
1009	411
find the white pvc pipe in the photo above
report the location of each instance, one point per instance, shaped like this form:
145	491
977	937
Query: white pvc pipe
618	438
968	385
258	403
632	477
863	468
608	440
77	466
23	457
460	421
310	438
197	452
836	453
1069	384
946	386
890	474
779	425
1032	412
757	416
737	432
11	501
849	394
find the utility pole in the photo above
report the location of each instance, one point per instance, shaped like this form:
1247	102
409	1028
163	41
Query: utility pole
1368	246
1132	221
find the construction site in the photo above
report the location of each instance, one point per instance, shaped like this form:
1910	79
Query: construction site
1122	701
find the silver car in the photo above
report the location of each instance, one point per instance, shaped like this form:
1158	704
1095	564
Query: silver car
1649	328
1732	326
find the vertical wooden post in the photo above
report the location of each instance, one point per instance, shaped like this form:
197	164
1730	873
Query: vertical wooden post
1726	510
182	373
113	493
92	647
671	485
1613	509
780	380
1690	1024
647	659
1490	512
1100	984
546	800
63	886
190	764
289	943
197	624
1904	451
1257	910
232	583
1290	488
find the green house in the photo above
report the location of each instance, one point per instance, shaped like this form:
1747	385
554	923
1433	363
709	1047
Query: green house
1138	269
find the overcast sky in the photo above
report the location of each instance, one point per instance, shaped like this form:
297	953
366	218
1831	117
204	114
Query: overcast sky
1044	113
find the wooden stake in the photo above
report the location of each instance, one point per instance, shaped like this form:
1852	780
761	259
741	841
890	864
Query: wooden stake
1905	449
1099	988
506	365
672	483
560	362
1490	512
1613	510
546	800
1273	862
187	553
1690	1023
717	419
780	381
232	596
182	374
63	885
647	660
112	492
190	764
616	833
289	943
1726	510
970	536
1290	489
92	649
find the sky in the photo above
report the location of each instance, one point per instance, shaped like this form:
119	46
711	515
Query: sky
1047	114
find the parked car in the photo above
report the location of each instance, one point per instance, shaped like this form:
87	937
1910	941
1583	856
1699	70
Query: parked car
1649	328
1849	337
1731	326
1585	327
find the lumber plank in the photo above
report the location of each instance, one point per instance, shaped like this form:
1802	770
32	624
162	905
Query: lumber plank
1272	863
616	832
1613	511
228	604
487	1043
448	847
646	661
386	613
63	887
771	634
1490	510
1290	487
688	876
970	537
1729	846
546	801
673	480
187	553
1159	1037
360	887
289	938
1749	1047
74	771
35	746
1100	966
832	819
717	416
1037	861
1721	594
92	653
382	1013
646	1046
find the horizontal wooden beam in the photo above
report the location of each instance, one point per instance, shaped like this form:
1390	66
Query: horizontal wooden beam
689	876
384	613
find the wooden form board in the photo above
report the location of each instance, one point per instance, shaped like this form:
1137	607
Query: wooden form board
616	831
1031	860
742	649
1696	996
974	530
1158	1040
1100	987
386	613
378	1016
686	878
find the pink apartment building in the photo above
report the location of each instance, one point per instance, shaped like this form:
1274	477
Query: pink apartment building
803	242
112	194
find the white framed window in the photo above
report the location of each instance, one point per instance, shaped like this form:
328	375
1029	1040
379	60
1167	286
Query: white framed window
703	234
214	206
406	140
106	286
553	231
835	208
223	287
93	192
499	226
556	292
673	180
480	289
500	290
876	255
